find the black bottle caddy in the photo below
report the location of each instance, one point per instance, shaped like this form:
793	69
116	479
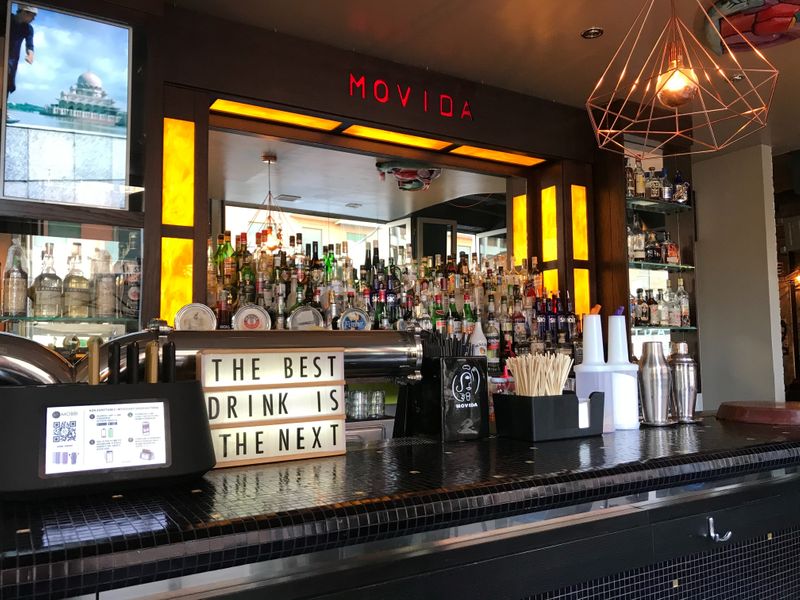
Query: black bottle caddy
72	438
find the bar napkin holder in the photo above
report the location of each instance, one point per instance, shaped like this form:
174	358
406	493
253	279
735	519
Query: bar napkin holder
542	418
452	402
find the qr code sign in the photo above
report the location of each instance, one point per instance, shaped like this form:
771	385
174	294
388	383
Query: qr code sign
64	431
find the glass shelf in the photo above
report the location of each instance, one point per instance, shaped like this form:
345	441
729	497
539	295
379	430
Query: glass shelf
659	330
649	266
656	206
73	320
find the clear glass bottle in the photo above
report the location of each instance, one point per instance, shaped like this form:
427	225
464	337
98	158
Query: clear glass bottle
639	239
683	302
666	186
654	185
48	287
103	284
642	309
680	192
211	273
15	281
673	307
662	314
77	290
630	179
639	180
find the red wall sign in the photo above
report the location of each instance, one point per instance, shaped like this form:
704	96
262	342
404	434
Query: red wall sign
403	95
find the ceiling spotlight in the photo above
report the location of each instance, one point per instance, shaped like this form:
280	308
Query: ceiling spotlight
354	205
737	77
592	33
268	158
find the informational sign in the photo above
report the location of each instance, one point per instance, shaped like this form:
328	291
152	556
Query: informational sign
273	405
105	436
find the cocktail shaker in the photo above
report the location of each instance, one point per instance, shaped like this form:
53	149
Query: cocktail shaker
683	370
654	384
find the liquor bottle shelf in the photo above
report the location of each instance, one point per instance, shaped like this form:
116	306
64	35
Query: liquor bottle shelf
659	330
73	320
650	266
656	206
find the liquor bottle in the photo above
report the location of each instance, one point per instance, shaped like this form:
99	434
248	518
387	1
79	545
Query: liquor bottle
652	250
654	185
670	251
666	187
477	340
469	317
47	288
454	322
642	309
572	321
247	287
652	306
661	307
673	307
77	291
630	179
520	333
561	316
680	192
103	284
541	321
492	343
332	312
317	266
438	316
552	322
683	301
424	316
224	309
638	175
506	330
536	276
280	311
211	274
639	239
380	320
131	279
229	274
218	259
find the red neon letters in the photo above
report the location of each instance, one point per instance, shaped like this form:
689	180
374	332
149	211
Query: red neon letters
382	92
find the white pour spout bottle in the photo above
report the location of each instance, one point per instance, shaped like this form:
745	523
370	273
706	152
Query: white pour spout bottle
593	375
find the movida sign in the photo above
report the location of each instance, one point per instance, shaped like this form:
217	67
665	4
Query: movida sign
408	97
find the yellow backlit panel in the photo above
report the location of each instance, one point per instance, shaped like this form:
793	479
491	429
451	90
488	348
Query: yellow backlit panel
581	291
272	114
520	228
550	280
497	156
580	227
177	194
549	225
382	135
176	276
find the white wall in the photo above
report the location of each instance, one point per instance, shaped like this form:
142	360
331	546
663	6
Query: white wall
737	278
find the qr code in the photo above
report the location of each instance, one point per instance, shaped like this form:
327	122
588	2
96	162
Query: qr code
64	431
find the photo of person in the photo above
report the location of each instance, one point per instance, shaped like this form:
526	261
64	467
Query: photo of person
66	117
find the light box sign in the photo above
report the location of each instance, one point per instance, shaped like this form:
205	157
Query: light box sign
273	405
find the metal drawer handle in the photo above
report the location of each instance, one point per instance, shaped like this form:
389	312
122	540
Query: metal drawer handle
714	536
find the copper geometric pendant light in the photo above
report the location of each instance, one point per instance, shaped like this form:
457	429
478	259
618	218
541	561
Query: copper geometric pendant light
675	96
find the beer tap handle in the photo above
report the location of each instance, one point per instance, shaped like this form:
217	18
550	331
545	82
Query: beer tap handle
151	362
93	354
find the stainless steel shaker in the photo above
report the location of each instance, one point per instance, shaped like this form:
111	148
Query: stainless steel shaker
683	370
654	385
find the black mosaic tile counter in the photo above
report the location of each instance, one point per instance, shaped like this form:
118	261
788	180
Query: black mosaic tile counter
63	547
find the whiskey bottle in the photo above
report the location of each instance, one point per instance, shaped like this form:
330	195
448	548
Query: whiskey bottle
638	175
683	302
681	189
666	187
630	179
48	288
654	185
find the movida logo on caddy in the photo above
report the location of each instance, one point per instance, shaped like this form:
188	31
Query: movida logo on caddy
408	97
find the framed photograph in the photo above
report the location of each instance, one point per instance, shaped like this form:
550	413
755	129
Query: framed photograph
65	127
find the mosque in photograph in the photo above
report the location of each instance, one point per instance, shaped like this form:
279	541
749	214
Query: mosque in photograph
87	101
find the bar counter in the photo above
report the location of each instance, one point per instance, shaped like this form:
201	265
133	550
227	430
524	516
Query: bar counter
88	544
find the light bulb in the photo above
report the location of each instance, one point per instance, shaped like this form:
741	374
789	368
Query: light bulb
677	86
272	242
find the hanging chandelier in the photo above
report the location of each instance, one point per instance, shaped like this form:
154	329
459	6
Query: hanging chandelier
674	96
273	239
